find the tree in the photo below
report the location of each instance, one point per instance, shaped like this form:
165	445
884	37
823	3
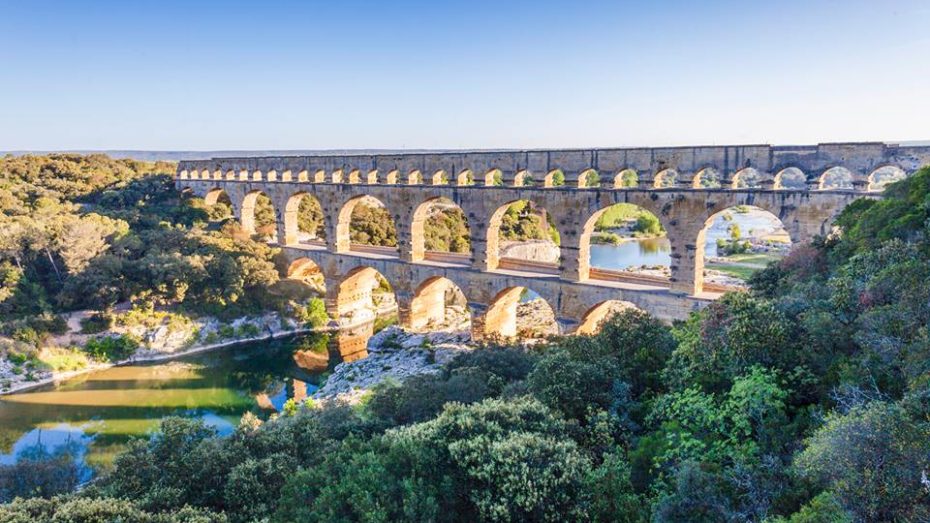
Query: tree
875	460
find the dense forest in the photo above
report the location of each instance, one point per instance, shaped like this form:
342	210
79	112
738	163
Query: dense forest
806	399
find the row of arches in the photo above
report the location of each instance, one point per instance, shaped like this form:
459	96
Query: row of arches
789	178
439	303
609	241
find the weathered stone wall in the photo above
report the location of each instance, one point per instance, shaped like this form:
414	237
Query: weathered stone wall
407	184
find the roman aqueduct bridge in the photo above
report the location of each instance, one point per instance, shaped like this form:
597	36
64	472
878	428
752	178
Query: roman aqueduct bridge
685	187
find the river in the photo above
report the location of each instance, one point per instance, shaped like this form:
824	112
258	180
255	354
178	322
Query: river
657	251
93	416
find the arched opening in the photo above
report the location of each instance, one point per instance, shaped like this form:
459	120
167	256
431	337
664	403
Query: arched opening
520	312
626	179
319	176
836	178
554	178
415	178
624	242
524	179
589	179
791	178
494	178
355	176
522	236
366	226
392	178
364	303
440	178
881	177
735	243
666	178
303	221
596	316
440	232
707	178
439	305
337	176
748	178
465	178
219	206
258	217
372	177
306	273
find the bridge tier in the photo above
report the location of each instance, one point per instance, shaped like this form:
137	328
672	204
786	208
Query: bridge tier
670	183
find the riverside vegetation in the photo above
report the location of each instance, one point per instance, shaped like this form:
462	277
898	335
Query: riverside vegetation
806	399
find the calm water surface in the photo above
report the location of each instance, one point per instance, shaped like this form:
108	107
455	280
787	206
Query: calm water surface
657	251
93	416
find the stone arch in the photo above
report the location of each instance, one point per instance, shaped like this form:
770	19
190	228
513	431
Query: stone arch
554	178
589	178
594	318
355	176
230	175
392	177
749	178
213	196
666	178
307	271
716	227
421	216
434	301
256	176
465	178
258	202
415	178
493	178
343	240
319	176
707	178
372	177
836	178
502	318
587	233
790	178
544	224
883	176
355	292
626	179
523	178
337	176
304	211
440	178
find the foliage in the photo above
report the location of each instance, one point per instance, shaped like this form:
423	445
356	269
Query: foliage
111	348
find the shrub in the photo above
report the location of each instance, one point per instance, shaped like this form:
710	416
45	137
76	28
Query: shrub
111	348
96	323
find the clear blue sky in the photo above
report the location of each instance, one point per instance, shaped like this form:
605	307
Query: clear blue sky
476	74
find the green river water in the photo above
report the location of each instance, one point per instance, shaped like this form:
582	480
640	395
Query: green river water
93	416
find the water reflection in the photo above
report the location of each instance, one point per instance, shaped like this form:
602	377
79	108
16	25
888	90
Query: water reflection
92	417
657	251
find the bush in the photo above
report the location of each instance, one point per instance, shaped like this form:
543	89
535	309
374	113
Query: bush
95	323
111	348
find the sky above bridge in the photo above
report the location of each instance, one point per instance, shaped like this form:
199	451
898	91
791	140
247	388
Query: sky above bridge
184	75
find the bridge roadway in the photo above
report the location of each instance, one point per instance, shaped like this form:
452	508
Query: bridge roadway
670	183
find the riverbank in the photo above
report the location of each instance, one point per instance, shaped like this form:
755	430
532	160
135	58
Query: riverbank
199	336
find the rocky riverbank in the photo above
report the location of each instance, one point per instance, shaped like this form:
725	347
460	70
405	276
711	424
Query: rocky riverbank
160	336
